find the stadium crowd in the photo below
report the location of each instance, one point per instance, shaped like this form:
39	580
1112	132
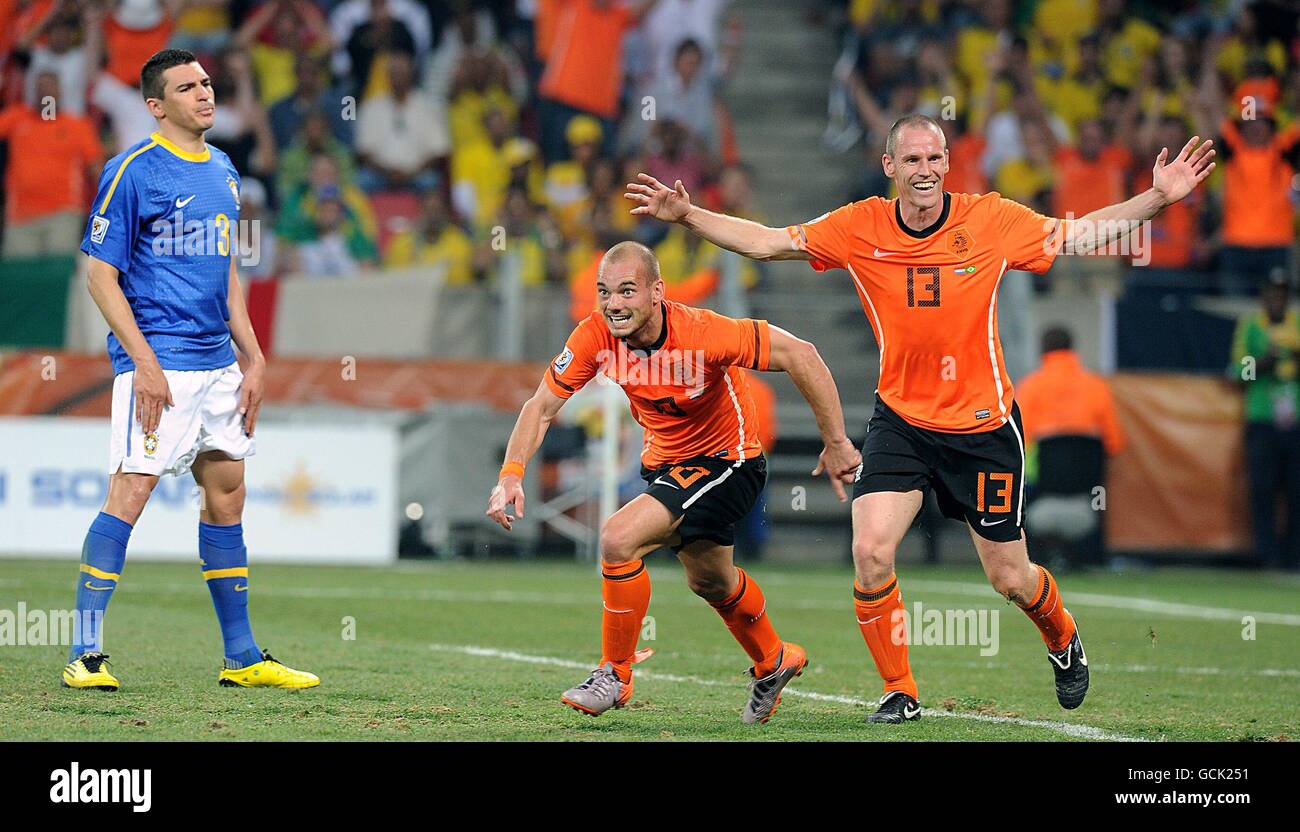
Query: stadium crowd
1064	104
378	133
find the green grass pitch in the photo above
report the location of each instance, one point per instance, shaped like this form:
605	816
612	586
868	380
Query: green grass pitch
470	651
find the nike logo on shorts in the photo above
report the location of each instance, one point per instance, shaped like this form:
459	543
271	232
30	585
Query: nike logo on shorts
181	203
984	522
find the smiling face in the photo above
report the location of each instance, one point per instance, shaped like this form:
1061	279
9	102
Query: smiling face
628	297
918	165
187	100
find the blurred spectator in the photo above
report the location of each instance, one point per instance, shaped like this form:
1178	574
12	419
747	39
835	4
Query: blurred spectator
311	93
133	32
479	84
686	95
351	15
1029	177
435	240
259	253
472	36
529	235
672	157
671	22
1127	40
332	249
274	36
1266	360
1005	129
59	54
202	26
584	68
1091	175
347	215
480	171
387	31
402	140
120	102
314	139
241	127
49	161
1175	240
565	185
965	152
1070	420
1258	217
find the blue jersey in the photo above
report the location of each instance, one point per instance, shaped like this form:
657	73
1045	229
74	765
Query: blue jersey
165	219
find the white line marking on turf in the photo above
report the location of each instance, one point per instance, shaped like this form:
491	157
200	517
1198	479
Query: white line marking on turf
1122	602
1070	729
1081	599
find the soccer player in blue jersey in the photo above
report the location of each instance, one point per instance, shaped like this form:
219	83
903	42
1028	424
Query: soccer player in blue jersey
162	271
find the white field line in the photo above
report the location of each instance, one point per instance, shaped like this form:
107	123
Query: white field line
585	599
1069	729
1120	602
1266	672
1075	599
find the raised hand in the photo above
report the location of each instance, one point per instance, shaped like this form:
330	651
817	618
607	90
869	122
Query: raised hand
1178	178
655	199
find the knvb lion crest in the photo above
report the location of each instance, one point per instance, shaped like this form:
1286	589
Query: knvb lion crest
960	242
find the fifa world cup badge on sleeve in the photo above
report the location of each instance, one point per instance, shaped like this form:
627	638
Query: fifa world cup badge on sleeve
98	228
563	360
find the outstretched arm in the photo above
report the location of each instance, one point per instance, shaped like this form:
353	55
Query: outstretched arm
745	237
534	419
839	458
1170	183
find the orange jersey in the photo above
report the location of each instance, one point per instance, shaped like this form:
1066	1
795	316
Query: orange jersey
688	391
931	298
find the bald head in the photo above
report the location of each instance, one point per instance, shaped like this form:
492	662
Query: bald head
647	265
914	120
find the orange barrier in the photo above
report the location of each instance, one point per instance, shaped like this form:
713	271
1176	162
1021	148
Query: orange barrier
72	384
1180	483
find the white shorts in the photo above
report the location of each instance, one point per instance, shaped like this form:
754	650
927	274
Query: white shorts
204	418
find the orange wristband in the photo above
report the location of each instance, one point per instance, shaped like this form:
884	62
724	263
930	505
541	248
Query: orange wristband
512	469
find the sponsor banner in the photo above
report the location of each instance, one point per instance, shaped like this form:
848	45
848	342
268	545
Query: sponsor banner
315	494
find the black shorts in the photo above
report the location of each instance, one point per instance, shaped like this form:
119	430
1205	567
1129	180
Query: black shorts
977	477
711	494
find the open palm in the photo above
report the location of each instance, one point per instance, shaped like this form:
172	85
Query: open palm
655	199
1178	178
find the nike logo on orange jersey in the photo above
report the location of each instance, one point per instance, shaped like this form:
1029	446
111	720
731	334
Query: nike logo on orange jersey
880	253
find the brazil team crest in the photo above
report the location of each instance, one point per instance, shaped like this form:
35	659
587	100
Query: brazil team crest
960	242
150	443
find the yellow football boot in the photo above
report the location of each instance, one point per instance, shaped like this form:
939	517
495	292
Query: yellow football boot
268	673
89	671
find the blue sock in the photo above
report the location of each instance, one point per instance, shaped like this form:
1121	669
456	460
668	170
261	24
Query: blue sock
224	561
102	558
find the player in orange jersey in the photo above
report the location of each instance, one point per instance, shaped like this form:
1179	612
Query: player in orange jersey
702	461
926	267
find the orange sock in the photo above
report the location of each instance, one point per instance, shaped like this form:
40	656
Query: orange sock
1050	615
626	591
879	613
745	613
